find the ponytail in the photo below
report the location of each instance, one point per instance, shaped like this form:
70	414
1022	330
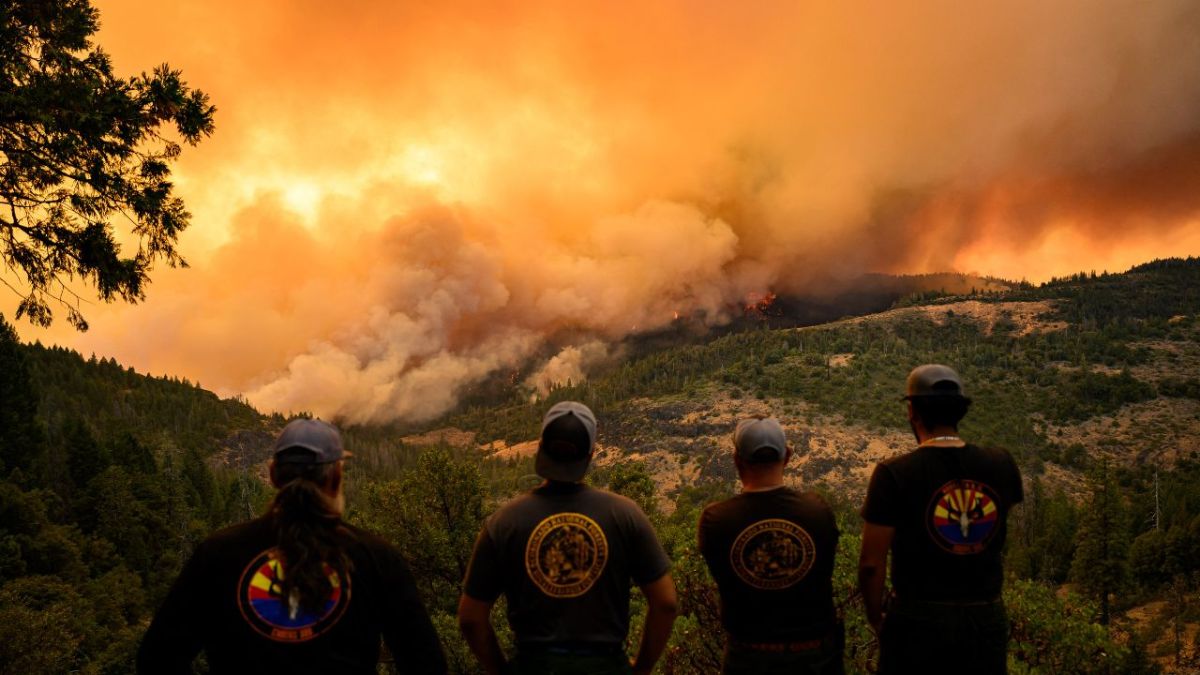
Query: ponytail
308	530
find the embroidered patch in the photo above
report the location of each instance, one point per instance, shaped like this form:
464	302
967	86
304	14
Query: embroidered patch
566	554
772	554
963	516
260	598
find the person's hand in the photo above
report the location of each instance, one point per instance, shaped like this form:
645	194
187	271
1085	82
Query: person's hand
640	670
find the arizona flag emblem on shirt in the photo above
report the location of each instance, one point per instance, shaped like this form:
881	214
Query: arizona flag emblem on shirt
963	516
263	606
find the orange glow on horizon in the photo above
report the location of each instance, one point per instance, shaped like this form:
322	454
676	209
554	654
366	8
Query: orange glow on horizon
402	196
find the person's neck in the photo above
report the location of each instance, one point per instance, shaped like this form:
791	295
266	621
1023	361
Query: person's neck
947	436
752	483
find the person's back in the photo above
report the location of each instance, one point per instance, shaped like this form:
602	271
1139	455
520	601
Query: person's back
941	513
949	507
297	590
771	551
566	541
564	556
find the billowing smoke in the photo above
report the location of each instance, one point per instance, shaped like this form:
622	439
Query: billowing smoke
403	199
568	366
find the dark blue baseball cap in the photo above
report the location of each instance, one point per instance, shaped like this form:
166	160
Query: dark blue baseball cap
305	441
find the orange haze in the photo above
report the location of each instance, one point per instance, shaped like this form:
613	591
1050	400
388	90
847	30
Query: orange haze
403	198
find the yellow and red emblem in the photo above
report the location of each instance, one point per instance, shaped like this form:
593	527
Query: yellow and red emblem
565	554
268	612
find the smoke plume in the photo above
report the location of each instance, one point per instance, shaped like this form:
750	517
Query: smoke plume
405	198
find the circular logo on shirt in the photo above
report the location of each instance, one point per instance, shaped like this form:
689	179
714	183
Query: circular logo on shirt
260	598
566	554
963	516
772	554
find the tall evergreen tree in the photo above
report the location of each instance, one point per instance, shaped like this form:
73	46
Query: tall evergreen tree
1102	541
21	434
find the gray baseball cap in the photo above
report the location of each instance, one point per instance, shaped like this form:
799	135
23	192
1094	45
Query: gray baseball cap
568	438
305	441
933	379
753	435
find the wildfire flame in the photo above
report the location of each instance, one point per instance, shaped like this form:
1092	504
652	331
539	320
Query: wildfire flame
759	303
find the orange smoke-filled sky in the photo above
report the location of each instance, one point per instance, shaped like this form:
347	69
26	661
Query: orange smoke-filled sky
403	198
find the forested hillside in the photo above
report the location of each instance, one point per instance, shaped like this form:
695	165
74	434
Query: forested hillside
110	477
109	483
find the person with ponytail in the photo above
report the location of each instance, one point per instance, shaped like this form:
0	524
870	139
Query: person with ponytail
297	590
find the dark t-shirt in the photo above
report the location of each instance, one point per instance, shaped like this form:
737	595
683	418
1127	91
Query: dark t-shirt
564	555
950	507
771	554
226	603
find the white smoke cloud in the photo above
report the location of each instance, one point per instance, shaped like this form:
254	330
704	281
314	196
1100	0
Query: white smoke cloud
445	311
569	366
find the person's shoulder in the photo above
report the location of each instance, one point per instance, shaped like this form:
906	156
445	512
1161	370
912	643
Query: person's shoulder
607	497
993	453
234	543
900	461
719	510
239	532
514	505
813	499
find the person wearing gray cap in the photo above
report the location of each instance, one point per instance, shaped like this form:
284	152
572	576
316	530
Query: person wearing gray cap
297	590
564	556
771	551
941	511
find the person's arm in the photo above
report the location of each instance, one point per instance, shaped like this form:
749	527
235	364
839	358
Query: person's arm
662	606
173	639
407	629
483	585
872	570
475	622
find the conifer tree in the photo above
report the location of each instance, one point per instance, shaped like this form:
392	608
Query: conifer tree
21	435
80	150
1102	541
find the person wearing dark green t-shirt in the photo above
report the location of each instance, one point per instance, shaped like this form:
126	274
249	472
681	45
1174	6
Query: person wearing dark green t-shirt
565	556
941	512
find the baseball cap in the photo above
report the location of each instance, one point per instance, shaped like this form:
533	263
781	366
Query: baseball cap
933	379
305	441
754	435
568	437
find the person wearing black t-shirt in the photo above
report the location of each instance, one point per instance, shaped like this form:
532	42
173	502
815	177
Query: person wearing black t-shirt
564	556
770	550
298	590
941	510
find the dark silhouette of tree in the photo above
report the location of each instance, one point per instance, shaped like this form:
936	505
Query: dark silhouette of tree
21	435
82	151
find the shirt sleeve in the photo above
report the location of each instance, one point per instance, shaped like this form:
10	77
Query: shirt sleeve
173	639
1018	487
484	581
881	505
648	560
703	539
407	629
